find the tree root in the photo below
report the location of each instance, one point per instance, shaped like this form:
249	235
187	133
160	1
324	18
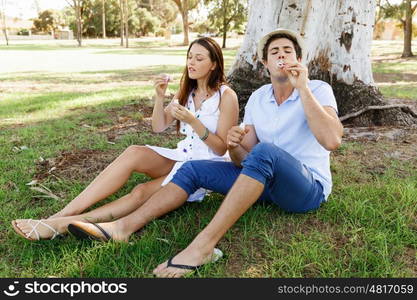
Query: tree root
404	107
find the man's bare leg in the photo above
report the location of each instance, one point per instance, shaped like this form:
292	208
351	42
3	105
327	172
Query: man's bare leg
240	198
108	212
134	159
167	199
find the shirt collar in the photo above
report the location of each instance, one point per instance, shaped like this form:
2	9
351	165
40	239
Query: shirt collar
294	95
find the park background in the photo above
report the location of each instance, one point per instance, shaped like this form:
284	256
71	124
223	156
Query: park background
68	107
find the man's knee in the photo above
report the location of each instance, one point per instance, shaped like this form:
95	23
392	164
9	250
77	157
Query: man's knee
264	151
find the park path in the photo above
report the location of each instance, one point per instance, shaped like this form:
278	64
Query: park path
81	60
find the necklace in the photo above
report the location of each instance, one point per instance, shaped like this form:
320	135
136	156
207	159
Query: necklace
202	100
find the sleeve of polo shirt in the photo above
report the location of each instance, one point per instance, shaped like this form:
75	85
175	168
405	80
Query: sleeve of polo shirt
247	118
324	94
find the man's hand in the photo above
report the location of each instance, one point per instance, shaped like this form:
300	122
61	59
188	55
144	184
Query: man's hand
181	113
297	74
235	136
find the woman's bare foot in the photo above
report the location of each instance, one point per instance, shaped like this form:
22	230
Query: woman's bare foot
93	230
188	257
39	229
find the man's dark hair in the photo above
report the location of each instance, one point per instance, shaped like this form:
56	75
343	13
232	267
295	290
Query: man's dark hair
297	47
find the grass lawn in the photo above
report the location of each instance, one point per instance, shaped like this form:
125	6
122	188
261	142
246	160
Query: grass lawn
63	123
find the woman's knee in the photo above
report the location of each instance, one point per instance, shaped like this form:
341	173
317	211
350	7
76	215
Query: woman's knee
138	191
134	151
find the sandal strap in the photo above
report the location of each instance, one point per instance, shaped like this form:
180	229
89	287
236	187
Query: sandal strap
186	267
104	232
34	230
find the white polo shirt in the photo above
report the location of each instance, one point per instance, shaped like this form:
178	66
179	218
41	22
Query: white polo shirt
286	126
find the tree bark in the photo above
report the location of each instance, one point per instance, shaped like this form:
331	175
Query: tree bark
338	37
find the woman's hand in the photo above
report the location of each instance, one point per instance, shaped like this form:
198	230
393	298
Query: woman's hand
181	113
161	85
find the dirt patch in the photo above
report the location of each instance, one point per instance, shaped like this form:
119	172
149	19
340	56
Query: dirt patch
394	77
83	164
124	122
376	149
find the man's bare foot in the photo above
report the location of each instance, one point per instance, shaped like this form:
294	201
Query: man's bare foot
38	229
93	231
189	258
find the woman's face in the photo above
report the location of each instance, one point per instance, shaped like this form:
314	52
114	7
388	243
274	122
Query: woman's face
199	64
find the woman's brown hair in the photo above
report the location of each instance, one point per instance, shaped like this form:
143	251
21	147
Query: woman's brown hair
216	78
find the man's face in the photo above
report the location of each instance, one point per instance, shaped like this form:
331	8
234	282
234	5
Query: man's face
279	51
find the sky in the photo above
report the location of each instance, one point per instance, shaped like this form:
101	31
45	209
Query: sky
26	9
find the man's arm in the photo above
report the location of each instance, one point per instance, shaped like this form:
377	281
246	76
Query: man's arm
322	120
240	142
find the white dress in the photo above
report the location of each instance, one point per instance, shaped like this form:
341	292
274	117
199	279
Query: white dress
192	147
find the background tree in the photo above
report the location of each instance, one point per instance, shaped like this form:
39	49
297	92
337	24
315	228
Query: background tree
338	36
404	13
3	20
47	21
77	6
226	15
184	7
140	22
165	11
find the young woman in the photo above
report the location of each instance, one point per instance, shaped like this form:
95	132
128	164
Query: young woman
204	109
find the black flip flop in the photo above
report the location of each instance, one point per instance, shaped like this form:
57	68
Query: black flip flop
185	267
217	254
82	234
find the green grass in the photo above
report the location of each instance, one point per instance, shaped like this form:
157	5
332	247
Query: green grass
404	90
366	229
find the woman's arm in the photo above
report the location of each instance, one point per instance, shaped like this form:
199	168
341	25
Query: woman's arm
161	118
229	115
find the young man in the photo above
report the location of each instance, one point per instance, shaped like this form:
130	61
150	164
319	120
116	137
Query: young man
282	156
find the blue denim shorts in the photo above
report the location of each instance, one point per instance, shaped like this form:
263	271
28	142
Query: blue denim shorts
287	182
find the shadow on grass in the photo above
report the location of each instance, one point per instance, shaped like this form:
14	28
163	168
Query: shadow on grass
45	102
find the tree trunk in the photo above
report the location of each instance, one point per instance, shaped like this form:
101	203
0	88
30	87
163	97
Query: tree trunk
103	11
79	22
126	22
224	23
408	30
122	27
4	25
338	37
184	14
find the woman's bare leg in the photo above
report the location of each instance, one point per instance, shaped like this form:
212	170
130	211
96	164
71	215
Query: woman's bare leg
134	159
106	213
